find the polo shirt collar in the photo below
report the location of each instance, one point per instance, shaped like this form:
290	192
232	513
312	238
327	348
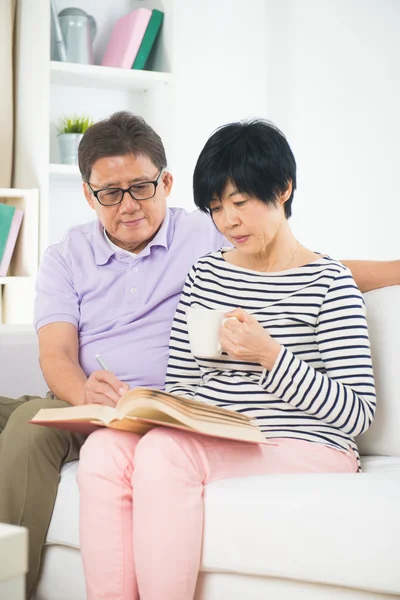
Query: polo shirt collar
163	237
103	252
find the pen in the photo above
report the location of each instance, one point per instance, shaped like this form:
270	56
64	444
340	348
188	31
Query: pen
101	362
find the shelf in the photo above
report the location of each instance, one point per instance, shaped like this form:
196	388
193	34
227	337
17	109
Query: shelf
64	170
11	278
94	76
15	192
25	257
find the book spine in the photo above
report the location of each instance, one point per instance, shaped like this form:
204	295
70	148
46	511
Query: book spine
149	38
6	217
11	241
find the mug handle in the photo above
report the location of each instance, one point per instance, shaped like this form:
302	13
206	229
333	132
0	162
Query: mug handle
223	323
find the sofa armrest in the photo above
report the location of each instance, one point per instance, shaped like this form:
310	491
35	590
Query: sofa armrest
19	362
384	331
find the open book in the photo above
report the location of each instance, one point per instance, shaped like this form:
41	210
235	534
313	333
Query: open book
141	409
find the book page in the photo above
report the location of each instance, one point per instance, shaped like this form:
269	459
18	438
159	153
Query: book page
199	411
131	424
84	412
152	409
187	406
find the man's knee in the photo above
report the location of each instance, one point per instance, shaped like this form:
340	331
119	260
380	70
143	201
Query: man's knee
26	411
20	433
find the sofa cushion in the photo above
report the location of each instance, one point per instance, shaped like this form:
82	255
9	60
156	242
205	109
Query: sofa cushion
337	529
383	319
64	524
324	528
19	356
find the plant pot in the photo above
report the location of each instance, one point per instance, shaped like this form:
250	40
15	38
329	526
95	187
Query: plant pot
68	144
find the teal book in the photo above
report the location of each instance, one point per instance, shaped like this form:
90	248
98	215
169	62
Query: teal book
6	219
150	36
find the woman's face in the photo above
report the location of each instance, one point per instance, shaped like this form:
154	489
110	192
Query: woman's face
249	224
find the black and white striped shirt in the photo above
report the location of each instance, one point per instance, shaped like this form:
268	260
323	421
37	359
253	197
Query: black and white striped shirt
321	388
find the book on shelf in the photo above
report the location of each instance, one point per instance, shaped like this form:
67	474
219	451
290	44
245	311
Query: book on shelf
126	38
149	38
10	224
6	218
142	409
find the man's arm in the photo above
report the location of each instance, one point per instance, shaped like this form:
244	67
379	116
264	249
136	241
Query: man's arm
374	274
58	355
59	360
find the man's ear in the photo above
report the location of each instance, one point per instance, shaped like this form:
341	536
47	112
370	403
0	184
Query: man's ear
167	181
88	195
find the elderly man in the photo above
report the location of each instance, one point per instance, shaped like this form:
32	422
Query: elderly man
110	287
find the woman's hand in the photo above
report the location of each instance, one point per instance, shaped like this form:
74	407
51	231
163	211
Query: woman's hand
243	338
103	387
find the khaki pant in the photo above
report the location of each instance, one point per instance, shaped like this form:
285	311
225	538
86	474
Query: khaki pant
31	457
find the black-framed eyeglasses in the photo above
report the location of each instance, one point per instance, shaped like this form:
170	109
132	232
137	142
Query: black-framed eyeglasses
145	190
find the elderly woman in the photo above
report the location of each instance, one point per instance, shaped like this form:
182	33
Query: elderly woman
296	359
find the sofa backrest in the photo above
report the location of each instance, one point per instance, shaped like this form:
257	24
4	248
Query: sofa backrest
20	372
383	437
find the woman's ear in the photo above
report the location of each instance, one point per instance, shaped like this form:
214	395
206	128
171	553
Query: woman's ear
285	194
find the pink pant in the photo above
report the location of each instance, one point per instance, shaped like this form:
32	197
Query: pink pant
141	519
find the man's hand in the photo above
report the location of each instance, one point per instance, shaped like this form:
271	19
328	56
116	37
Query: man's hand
243	338
103	387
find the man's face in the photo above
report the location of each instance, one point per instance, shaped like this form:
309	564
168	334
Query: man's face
132	224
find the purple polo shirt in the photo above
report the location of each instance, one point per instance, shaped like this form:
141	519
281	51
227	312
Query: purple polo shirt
122	305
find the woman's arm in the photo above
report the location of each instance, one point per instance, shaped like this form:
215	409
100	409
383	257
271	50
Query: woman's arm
183	373
343	396
374	274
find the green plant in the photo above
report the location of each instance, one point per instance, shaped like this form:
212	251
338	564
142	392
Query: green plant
74	124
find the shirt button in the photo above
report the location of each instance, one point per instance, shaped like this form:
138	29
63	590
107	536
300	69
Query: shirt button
133	290
135	269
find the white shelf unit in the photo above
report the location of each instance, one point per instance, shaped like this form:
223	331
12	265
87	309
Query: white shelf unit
16	290
13	278
60	170
98	77
48	90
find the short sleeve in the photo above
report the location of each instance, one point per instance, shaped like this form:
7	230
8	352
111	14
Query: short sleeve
56	299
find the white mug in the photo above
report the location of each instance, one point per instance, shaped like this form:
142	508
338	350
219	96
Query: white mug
203	328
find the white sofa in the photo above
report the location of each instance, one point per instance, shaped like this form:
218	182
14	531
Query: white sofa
311	537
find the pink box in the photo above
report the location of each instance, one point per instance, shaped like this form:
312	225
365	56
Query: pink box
126	38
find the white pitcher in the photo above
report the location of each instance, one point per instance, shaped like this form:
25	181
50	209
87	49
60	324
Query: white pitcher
78	31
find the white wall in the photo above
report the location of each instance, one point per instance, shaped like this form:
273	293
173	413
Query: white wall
333	79
219	66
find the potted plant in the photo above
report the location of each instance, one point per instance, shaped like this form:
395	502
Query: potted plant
70	132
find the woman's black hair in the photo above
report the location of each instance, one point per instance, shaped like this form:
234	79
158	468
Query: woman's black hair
253	155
